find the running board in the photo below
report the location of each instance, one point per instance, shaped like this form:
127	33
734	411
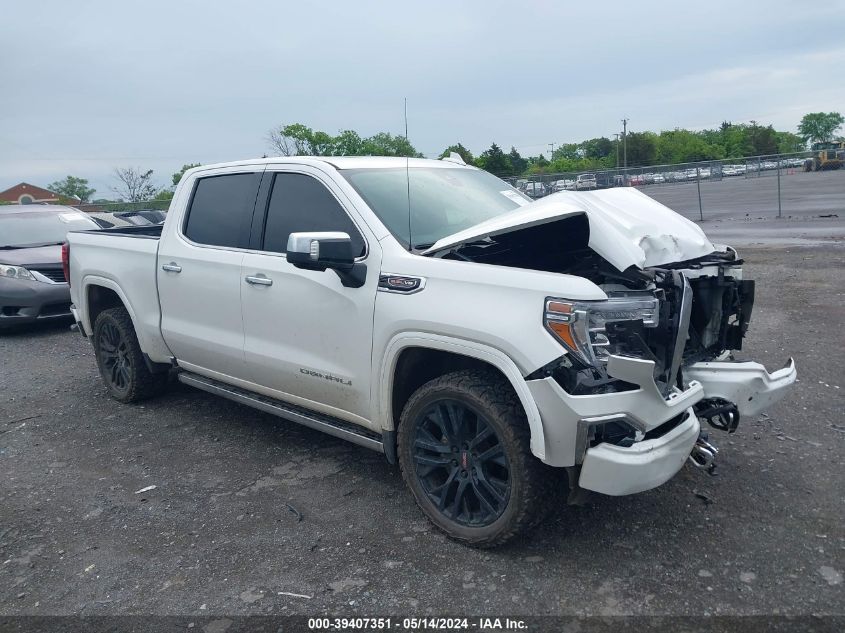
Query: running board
311	419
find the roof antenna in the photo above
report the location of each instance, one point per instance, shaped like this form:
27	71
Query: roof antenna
408	179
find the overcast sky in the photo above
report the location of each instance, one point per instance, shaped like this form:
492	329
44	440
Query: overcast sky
88	86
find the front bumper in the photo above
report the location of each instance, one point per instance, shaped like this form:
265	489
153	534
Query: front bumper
616	470
621	470
746	384
24	302
567	418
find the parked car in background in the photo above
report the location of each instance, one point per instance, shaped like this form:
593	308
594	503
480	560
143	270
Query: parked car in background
32	281
585	182
534	189
108	220
566	184
143	217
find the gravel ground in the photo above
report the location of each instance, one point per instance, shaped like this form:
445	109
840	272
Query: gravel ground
248	510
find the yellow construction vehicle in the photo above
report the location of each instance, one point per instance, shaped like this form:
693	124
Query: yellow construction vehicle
828	155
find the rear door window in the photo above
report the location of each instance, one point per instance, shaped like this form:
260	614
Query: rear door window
300	203
220	213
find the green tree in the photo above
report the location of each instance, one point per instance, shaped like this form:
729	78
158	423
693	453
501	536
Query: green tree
642	148
461	151
820	126
571	151
736	141
518	163
178	175
162	198
297	139
292	140
495	161
763	140
72	187
683	146
385	144
348	143
789	142
538	164
597	147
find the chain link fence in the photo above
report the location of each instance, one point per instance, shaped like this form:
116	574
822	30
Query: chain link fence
701	189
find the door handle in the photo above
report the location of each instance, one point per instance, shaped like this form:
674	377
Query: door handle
172	267
259	280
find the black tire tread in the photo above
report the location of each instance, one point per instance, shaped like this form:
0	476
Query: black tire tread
500	397
144	384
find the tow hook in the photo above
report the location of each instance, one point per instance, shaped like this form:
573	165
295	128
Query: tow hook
703	455
718	413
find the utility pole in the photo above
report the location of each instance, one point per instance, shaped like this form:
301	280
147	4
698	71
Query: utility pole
552	155
617	149
625	142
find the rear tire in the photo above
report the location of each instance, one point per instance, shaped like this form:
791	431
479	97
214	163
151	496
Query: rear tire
464	451
120	360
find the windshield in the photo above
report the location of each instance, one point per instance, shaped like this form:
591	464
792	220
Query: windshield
39	228
442	200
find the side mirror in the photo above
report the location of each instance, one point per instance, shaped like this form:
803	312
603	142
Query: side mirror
327	250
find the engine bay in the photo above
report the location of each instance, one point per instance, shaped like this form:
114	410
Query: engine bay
704	305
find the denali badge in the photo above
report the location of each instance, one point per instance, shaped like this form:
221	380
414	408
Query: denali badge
317	374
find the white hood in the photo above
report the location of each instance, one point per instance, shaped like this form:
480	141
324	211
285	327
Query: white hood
627	227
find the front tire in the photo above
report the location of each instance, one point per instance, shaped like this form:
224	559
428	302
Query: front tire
464	451
120	360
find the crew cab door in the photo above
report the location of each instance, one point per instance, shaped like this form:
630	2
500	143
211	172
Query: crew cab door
307	337
199	273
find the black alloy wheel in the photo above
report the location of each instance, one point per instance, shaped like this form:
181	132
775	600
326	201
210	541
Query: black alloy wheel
123	367
114	354
463	443
461	463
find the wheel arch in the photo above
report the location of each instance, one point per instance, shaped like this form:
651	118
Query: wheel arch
411	359
101	294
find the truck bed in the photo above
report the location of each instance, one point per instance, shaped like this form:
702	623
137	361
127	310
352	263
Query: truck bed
123	260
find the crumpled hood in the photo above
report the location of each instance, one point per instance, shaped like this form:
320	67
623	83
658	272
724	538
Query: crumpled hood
627	227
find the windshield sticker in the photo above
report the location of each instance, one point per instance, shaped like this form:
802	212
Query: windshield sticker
513	195
71	217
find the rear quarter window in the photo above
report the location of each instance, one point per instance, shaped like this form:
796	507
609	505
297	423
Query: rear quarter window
220	212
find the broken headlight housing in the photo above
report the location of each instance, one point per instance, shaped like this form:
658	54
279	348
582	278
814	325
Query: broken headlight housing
582	327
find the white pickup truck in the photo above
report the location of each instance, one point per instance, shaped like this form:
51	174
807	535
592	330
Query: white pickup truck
428	310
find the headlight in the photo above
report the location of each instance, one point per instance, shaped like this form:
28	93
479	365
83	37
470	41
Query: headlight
16	272
581	326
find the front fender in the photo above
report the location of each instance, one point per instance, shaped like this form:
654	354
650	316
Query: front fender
383	394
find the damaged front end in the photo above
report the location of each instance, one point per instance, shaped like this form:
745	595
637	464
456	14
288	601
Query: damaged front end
660	338
674	314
